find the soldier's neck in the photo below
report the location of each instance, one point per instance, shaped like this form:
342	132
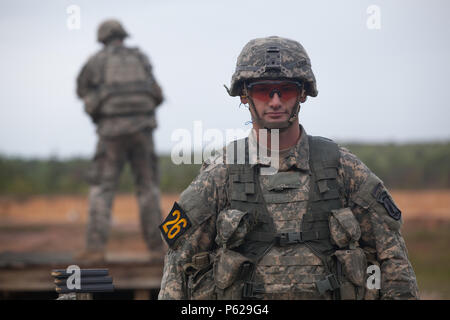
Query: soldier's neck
115	42
287	137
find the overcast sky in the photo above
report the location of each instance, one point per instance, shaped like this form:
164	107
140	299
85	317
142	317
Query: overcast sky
375	85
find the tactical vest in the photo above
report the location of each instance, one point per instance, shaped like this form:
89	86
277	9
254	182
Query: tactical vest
126	87
246	195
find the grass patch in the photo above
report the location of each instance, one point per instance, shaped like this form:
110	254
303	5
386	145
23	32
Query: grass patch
429	255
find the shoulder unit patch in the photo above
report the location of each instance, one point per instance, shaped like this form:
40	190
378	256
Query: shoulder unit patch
382	196
175	224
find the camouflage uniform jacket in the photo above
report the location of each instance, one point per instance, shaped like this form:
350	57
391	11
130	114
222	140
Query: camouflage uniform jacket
380	238
120	113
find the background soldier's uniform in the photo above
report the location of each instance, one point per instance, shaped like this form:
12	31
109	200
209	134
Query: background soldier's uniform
121	95
293	271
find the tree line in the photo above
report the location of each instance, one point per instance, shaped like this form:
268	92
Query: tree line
406	166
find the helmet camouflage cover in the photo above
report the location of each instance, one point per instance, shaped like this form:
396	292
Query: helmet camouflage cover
273	57
110	29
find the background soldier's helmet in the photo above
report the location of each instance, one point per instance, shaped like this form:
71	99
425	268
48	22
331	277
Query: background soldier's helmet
110	29
273	57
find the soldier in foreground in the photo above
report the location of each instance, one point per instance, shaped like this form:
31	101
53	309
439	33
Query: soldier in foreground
309	231
121	95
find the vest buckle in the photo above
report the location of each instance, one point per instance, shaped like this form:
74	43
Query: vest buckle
287	238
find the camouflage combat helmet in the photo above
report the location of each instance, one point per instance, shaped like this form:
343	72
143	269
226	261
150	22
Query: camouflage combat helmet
110	29
273	57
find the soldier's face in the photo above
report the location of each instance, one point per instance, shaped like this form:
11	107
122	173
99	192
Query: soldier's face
274	100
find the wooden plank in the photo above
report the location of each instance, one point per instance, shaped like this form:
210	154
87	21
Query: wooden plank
29	279
39	278
31	272
141	295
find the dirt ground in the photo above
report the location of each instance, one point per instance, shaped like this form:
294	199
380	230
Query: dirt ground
73	209
39	223
58	223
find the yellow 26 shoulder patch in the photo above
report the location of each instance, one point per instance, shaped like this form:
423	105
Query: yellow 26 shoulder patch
175	224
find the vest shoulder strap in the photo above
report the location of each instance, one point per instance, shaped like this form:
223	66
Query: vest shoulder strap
323	153
324	159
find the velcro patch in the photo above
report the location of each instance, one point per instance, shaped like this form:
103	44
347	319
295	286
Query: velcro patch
175	224
383	197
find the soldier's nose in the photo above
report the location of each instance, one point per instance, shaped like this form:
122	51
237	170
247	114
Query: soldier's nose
275	100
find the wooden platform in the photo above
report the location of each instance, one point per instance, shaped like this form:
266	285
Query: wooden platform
30	271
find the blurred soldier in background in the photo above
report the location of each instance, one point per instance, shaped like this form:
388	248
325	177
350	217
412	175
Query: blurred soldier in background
120	94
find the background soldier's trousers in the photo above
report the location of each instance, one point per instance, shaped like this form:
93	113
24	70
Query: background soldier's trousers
110	158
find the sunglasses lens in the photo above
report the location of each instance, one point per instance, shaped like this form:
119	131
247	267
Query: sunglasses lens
265	91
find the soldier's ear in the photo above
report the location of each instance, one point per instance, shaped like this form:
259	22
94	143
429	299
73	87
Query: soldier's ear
244	99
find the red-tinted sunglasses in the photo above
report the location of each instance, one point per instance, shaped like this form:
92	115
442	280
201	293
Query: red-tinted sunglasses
265	90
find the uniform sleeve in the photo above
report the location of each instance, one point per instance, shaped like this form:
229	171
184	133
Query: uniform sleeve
380	222
82	82
201	201
156	88
89	78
